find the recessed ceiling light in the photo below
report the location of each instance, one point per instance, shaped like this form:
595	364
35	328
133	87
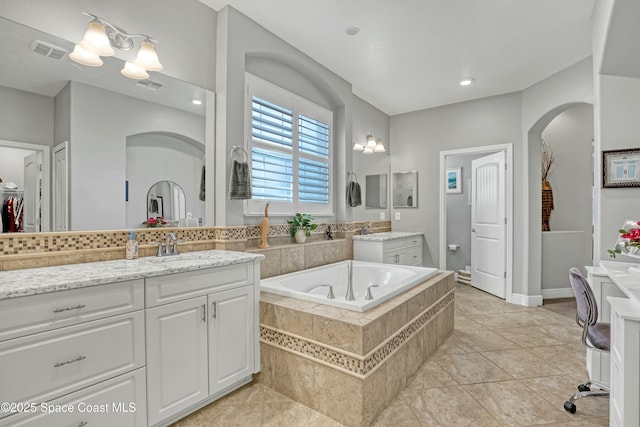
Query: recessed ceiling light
352	31
196	102
466	82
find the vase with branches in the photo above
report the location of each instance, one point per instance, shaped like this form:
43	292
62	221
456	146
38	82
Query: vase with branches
548	160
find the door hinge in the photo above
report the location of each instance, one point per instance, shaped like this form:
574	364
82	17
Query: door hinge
40	168
505	166
505	274
505	220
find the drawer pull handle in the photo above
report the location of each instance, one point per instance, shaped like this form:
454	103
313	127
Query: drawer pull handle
75	307
215	310
83	423
77	359
204	313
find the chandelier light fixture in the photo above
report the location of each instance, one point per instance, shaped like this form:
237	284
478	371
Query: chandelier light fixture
100	39
372	145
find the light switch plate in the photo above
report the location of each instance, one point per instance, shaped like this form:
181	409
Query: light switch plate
383	215
397	216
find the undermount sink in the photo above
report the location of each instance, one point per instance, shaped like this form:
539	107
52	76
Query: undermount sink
173	258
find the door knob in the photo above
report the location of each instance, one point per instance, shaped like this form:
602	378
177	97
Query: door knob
473	230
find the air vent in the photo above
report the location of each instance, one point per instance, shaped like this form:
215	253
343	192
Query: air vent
150	84
48	49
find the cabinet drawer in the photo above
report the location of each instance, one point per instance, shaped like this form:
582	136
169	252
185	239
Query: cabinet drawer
44	366
39	313
116	402
176	287
404	243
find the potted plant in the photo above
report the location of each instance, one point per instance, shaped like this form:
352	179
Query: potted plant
301	227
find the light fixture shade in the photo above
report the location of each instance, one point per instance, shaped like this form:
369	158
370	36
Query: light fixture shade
96	40
147	57
371	142
132	71
379	146
84	57
358	147
367	150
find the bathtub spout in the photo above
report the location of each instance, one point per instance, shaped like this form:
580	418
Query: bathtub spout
349	296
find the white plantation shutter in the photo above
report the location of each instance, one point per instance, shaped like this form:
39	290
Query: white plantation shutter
290	145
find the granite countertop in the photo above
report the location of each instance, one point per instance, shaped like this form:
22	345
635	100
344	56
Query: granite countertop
33	281
389	235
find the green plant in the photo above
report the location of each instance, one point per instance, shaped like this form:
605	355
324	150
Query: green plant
303	222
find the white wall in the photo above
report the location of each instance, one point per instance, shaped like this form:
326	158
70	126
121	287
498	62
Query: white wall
25	117
459	214
367	119
617	119
148	164
97	150
12	165
570	136
185	29
243	45
419	137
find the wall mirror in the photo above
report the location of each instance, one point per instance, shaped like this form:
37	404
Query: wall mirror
105	117
405	189
376	191
166	199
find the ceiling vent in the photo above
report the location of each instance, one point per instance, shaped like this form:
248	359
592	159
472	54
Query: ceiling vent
48	49
149	84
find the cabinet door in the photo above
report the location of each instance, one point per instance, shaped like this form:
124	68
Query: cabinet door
231	337
411	257
176	357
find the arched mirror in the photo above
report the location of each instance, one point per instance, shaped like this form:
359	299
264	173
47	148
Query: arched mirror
166	199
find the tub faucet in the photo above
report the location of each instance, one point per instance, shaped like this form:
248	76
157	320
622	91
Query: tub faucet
365	229
349	296
369	295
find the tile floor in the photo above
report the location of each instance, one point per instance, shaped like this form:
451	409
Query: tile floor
504	365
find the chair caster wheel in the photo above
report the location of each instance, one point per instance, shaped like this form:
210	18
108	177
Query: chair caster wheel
570	407
583	387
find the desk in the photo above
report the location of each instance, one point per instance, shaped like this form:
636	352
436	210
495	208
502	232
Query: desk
625	345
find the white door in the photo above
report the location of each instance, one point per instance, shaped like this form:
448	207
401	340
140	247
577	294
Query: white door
488	224
177	366
60	188
231	337
32	192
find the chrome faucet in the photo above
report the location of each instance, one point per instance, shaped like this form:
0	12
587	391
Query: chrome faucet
369	295
365	229
171	237
349	296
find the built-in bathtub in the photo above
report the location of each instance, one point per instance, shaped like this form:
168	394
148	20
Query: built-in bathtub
391	280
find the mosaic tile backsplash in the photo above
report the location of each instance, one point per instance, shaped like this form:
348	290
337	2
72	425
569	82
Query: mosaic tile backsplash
24	246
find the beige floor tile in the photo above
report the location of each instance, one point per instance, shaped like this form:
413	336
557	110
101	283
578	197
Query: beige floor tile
397	414
484	340
430	375
522	363
529	336
570	358
471	368
454	345
463	322
244	415
558	389
512	403
281	414
448	406
596	422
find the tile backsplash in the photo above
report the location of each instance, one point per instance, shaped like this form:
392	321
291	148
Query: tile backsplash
28	250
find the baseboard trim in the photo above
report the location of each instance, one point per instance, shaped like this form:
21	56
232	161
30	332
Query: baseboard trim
526	300
557	293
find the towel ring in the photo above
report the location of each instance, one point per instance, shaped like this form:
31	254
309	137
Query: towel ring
235	149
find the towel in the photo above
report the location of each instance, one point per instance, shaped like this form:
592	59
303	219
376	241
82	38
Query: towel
353	194
240	183
202	186
153	205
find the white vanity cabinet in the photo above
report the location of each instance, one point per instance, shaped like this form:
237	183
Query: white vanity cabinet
624	409
62	347
389	248
201	344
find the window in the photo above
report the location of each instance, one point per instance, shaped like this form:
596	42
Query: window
291	151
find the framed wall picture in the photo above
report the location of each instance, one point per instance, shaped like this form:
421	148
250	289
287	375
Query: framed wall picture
454	180
621	168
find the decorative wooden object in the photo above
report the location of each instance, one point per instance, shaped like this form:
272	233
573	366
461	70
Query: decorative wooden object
264	228
547	192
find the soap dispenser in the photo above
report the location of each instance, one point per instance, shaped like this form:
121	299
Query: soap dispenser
132	246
